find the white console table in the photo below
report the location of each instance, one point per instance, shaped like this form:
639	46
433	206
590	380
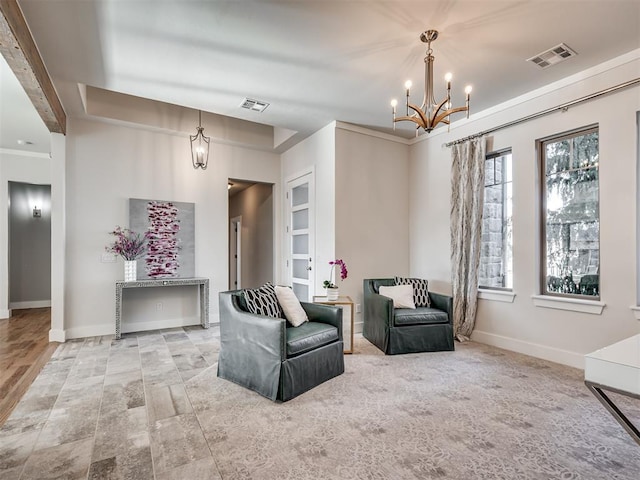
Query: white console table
203	283
615	368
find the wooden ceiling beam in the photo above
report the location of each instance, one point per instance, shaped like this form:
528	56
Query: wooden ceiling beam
21	53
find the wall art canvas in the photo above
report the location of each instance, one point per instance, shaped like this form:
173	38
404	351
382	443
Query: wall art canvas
171	245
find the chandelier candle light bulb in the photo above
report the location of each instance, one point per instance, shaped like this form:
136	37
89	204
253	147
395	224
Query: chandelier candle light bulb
394	104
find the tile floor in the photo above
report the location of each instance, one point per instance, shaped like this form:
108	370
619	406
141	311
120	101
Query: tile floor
117	409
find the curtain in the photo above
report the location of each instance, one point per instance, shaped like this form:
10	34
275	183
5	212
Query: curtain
467	197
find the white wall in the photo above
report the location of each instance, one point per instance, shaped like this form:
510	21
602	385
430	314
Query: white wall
562	336
316	153
16	166
361	200
107	164
372	209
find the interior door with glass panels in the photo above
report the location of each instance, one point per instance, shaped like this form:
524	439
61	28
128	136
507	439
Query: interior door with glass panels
300	235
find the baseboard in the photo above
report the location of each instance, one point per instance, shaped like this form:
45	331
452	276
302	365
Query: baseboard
5	313
110	328
56	335
556	355
30	304
159	324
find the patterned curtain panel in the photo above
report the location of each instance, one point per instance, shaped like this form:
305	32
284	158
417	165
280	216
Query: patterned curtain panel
467	192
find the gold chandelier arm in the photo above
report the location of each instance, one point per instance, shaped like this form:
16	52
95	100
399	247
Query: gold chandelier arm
420	113
439	107
417	120
446	113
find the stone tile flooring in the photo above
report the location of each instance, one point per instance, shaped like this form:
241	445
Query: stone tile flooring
117	409
150	407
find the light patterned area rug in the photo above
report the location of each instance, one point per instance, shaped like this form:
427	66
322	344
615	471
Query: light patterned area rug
151	406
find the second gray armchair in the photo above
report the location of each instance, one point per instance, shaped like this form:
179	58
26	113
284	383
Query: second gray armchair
405	330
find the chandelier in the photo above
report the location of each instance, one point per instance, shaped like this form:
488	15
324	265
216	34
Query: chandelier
430	114
199	146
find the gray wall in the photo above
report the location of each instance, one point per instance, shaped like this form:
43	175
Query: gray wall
29	245
255	205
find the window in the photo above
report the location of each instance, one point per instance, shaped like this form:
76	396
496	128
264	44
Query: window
496	255
570	214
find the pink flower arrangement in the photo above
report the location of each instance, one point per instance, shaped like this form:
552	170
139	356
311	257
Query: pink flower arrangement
128	244
343	273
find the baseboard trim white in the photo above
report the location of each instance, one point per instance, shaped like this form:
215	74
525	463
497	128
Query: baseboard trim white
357	327
110	328
92	331
30	304
552	354
5	313
159	324
56	335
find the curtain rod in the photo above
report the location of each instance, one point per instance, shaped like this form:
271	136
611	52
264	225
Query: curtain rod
533	116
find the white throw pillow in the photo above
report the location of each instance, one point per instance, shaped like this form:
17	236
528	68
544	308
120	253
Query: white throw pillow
402	295
291	306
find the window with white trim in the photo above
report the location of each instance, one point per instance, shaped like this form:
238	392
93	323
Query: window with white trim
496	256
570	220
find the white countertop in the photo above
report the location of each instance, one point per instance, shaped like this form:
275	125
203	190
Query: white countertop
616	366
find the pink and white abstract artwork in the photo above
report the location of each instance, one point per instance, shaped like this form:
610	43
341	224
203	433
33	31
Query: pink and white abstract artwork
170	252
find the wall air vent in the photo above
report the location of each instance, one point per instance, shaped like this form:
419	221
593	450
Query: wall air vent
255	105
552	56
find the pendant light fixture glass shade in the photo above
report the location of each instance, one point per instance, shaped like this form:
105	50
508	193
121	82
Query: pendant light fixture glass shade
199	146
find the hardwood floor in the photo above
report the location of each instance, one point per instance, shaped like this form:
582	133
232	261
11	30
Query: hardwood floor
24	350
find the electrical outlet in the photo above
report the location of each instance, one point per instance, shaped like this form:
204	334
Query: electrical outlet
108	258
159	307
358	308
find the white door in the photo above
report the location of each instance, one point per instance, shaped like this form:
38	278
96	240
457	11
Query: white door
300	235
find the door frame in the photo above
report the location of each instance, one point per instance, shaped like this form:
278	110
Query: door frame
235	231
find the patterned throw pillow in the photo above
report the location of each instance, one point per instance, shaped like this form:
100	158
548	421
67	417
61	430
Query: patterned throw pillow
420	290
263	301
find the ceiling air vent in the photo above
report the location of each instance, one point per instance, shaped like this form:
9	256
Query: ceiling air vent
552	56
255	105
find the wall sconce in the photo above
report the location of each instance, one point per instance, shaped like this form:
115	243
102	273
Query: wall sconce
37	213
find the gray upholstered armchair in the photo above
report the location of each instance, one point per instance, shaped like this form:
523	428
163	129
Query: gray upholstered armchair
403	330
271	357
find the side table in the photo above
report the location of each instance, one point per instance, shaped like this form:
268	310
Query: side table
347	326
615	368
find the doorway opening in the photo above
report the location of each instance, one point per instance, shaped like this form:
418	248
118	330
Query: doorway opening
29	245
251	233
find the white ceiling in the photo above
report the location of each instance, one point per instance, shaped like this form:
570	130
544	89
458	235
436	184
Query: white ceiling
318	61
19	120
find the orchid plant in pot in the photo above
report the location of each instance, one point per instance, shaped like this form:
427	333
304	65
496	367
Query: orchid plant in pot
332	289
130	246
